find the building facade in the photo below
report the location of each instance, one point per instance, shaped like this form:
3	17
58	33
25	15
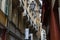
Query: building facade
9	20
33	10
18	15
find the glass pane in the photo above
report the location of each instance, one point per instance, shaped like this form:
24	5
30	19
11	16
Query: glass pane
32	6
6	7
0	3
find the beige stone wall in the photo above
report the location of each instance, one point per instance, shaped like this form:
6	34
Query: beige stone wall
37	19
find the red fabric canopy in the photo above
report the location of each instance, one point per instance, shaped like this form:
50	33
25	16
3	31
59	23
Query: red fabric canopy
53	26
54	31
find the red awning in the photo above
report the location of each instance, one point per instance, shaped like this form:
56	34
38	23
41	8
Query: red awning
54	31
54	27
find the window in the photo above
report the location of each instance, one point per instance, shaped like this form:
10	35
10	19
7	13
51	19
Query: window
32	6
25	12
0	3
31	21
6	7
40	15
40	4
34	15
28	2
28	17
21	3
35	26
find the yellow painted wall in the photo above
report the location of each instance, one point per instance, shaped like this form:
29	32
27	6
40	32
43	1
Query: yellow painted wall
3	18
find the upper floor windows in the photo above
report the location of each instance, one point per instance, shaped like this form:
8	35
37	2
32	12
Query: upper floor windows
32	6
21	3
25	13
0	3
28	2
40	4
34	14
4	5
